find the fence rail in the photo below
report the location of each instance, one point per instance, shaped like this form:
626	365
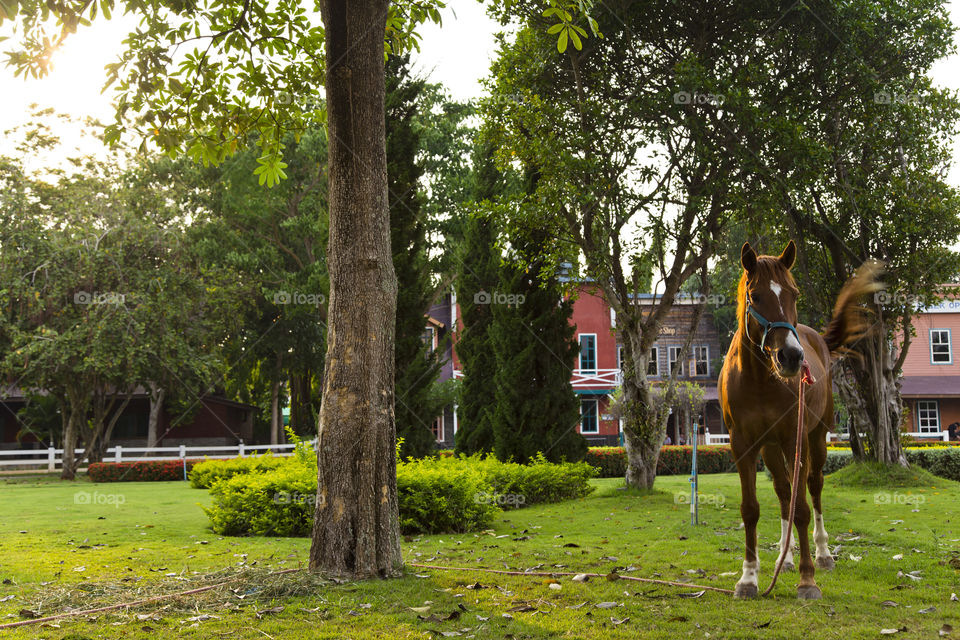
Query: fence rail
51	458
944	436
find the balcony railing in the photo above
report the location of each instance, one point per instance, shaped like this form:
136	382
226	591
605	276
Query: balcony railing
590	378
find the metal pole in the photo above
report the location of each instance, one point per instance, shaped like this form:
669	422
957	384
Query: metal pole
694	507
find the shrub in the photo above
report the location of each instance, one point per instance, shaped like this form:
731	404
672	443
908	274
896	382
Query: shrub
610	462
205	474
940	462
435	494
140	471
278	502
440	495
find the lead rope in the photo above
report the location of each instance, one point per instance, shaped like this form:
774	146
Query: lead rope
805	378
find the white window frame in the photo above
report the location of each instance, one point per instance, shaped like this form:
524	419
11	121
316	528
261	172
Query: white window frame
949	346
673	356
433	337
929	427
592	370
705	360
655	361
596	415
442	437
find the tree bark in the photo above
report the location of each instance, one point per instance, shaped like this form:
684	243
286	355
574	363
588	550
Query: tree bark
356	527
869	388
157	394
77	403
275	412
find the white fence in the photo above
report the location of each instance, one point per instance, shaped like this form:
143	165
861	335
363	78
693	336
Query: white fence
51	459
724	438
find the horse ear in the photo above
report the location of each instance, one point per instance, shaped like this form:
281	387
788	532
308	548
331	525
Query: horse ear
789	255
748	257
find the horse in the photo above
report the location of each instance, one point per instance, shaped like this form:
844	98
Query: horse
758	390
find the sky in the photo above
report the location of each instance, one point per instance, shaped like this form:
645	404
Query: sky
458	55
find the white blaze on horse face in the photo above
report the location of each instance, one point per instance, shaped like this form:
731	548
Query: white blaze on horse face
820	537
776	288
751	572
784	529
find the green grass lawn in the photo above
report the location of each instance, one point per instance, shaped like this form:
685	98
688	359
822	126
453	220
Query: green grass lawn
60	549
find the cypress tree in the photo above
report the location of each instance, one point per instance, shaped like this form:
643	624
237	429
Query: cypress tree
536	409
478	275
416	366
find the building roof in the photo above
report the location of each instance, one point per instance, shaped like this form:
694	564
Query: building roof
930	386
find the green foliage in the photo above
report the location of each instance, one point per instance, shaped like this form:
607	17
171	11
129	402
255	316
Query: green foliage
416	363
278	502
443	496
440	494
205	474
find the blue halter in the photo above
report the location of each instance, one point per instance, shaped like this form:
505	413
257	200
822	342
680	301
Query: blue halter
766	325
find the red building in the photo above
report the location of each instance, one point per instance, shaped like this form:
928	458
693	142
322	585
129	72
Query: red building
597	371
931	372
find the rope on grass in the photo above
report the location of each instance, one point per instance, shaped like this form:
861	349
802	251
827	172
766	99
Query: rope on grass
686	585
136	603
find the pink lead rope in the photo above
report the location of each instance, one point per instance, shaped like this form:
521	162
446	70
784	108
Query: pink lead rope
805	378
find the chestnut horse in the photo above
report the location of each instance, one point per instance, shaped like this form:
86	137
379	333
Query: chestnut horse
758	390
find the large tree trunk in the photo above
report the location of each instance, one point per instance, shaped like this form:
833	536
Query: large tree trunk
869	389
157	394
356	525
644	417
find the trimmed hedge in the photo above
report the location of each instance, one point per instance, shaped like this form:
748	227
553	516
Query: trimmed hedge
449	494
140	471
205	474
611	462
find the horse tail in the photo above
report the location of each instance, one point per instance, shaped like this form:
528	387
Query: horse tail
851	317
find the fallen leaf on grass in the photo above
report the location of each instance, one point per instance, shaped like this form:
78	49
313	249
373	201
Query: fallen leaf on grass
693	594
890	632
928	610
606	605
9	597
521	608
267	612
945	630
615	621
581	577
27	613
889	603
420	609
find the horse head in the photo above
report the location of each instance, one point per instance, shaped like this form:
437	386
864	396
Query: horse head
767	308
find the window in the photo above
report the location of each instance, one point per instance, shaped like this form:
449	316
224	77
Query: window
940	351
588	353
701	357
928	416
675	363
653	364
437	429
588	416
429	338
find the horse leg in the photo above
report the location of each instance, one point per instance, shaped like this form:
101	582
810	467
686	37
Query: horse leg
818	457
773	459
807	589
748	585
